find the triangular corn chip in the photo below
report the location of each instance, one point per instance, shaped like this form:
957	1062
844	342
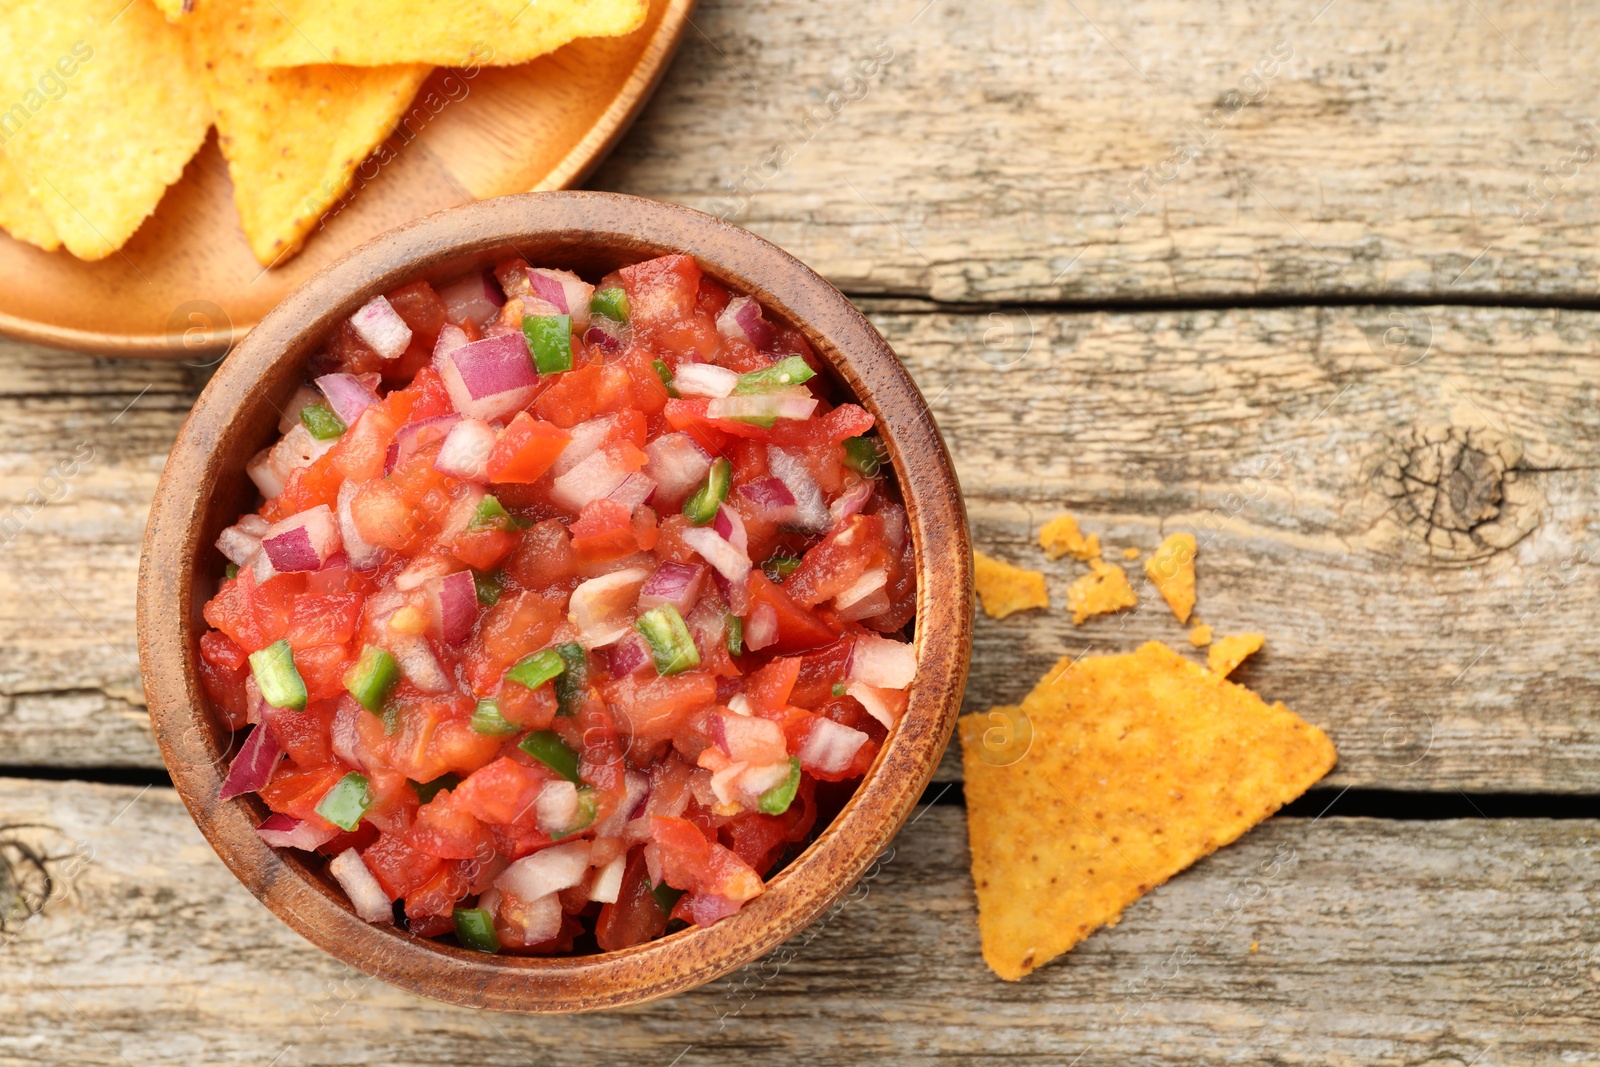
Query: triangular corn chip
292	137
1139	765
1231	651
1004	589
20	214
1171	571
479	32
106	113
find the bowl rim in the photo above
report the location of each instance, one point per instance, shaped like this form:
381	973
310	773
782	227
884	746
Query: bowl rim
195	748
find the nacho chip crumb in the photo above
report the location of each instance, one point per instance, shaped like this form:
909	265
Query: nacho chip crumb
1061	537
1005	589
1103	590
1200	636
1140	765
1171	571
1255	946
1130	553
1231	651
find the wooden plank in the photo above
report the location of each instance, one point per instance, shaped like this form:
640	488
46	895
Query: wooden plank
1152	150
1339	940
1465	664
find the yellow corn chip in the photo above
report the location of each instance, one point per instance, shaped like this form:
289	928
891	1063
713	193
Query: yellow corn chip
1139	765
1005	589
1103	590
481	32
20	214
1171	571
174	9
1130	553
1200	636
292	137
103	112
1231	651
1060	537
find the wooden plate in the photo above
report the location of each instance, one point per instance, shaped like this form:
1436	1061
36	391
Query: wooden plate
187	286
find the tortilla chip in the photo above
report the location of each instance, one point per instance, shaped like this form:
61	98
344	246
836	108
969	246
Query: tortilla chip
129	115
1005	589
1130	553
20	214
174	9
1103	590
1231	651
1200	636
1171	571
479	32
293	138
1140	765
1060	537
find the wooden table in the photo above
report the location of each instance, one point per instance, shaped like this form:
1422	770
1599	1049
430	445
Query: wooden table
1275	274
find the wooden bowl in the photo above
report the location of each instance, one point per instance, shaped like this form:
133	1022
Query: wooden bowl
204	488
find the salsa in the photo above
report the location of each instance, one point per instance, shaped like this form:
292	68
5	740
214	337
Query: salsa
568	608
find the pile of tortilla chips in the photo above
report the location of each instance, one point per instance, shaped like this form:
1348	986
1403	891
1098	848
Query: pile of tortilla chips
104	102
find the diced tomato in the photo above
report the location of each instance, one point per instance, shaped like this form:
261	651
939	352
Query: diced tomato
525	449
544	557
382	517
711	297
351	353
756	839
820	671
225	685
303	734
359	455
768	689
689	861
324	620
519	624
527	709
399	868
222	651
322	668
603	531
649	709
444	828
837	562
421	308
799	629
689	416
363	835
573	398
297	792
661	292
502	792
636	917
438	897
482	549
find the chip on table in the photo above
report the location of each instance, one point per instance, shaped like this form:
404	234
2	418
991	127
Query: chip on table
1139	765
1230	651
1004	589
1171	570
1103	590
1061	537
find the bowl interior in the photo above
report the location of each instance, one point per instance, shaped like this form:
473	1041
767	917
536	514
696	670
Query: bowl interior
204	488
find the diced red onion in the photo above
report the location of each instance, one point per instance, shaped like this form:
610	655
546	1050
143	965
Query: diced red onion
476	298
629	654
779	404
304	396
867	587
363	555
729	560
771	498
637	488
849	503
881	662
555	809
378	324
347	395
704	379
873	603
761	627
302	542
358	883
267	477
564	291
251	769
829	746
454	600
602	608
742	318
344	735
535	921
465	452
418	663
895	527
607	884
750	739
722	781
730	527
678	465
420	571
594	478
707	909
285	831
811	513
413	435
678	584
549	870
491	378
885	705
606	334
237	545
759	778
451	337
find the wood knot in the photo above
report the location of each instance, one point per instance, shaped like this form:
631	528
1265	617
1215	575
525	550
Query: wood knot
30	878
1456	491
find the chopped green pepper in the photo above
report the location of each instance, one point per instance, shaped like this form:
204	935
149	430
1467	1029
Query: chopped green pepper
702	507
371	679
426	791
776	800
587	810
231	571
550	340
490	513
861	454
780	565
791	370
839	689
547	747
671	646
572	684
321	421
346	802
475	929
391	719
612	303
536	668
666	896
281	685
664	372
486	719
488	588
735	635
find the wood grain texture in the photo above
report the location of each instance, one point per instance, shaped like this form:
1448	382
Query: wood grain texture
1388	153
1263	430
149	952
